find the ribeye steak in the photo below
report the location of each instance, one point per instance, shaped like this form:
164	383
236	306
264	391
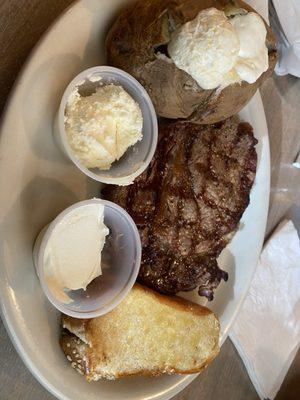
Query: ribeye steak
188	203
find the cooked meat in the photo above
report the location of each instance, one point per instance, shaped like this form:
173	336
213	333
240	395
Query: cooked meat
188	203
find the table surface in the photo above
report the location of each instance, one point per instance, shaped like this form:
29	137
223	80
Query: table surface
22	22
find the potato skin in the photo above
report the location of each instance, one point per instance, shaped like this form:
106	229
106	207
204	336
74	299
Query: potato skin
132	45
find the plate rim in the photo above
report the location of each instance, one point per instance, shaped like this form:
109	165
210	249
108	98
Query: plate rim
7	321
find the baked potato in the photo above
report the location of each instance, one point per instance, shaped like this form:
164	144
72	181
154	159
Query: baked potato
137	43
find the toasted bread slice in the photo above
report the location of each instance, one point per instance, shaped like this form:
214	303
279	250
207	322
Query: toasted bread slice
147	334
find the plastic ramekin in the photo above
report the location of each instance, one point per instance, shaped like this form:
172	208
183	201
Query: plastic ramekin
118	276
137	157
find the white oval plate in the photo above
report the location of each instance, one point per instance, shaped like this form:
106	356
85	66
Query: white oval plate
37	183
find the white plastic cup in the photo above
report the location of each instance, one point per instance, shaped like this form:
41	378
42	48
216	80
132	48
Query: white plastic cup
121	253
137	157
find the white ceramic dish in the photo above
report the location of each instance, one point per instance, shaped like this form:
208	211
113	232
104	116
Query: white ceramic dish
37	183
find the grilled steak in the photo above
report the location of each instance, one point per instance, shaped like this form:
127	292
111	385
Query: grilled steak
188	203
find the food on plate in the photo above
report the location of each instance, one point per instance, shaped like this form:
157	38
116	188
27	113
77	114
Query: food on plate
102	126
199	60
188	203
72	257
147	334
218	51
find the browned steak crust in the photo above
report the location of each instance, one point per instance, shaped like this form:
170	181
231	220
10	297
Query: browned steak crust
188	203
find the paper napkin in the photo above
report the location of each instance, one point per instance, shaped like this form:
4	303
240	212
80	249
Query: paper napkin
267	330
288	12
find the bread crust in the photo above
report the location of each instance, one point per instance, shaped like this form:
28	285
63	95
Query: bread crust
81	353
90	376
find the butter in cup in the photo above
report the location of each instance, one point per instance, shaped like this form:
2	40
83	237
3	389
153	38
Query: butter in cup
137	158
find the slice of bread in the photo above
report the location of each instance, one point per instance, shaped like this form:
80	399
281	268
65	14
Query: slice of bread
147	334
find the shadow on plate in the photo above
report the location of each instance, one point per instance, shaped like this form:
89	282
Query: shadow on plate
39	203
39	108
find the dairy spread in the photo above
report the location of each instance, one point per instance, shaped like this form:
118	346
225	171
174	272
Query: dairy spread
73	253
218	51
253	57
102	126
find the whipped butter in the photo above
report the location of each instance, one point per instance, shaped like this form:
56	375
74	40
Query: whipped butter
218	51
72	256
102	126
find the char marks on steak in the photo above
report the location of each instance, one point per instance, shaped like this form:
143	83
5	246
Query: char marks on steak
188	203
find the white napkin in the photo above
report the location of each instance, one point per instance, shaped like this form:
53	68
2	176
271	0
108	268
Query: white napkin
267	330
288	12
